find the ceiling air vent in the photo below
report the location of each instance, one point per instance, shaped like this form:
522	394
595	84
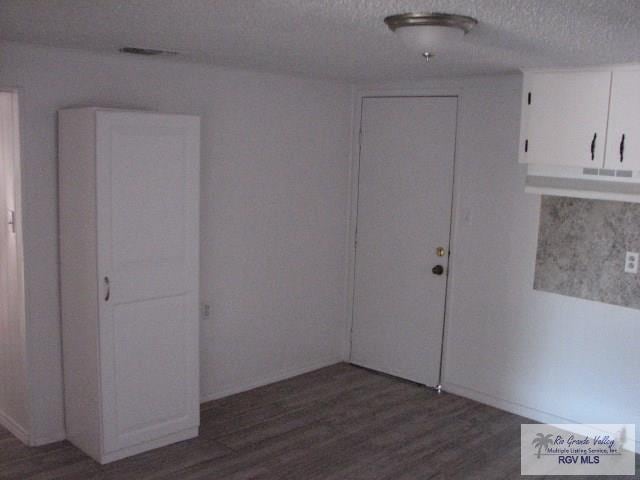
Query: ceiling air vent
147	51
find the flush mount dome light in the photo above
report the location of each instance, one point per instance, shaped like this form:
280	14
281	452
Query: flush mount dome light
429	32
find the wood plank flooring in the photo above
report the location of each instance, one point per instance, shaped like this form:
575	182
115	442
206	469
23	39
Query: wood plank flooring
340	422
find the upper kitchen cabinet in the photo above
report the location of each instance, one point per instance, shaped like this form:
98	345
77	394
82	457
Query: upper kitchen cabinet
623	137
564	118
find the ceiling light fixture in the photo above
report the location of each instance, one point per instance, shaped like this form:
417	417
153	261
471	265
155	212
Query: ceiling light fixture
428	33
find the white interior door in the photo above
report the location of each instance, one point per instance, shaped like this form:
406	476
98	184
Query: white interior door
6	383
13	388
404	215
5	240
147	182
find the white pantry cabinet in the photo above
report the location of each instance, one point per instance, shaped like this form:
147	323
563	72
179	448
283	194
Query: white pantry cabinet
129	201
623	138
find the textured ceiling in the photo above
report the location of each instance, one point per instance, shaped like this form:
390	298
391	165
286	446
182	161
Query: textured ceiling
344	39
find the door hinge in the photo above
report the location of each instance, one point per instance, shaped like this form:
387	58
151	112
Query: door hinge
526	146
529	99
12	221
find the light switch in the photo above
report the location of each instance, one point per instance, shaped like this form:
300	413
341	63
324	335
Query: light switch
631	262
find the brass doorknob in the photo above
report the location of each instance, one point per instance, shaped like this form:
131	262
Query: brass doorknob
437	270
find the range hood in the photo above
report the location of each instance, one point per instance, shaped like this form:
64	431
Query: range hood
595	183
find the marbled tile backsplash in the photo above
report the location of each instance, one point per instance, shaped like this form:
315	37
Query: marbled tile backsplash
582	246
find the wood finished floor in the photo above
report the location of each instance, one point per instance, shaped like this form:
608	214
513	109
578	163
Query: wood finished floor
340	422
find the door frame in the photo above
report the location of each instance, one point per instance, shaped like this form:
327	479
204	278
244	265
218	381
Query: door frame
22	432
352	209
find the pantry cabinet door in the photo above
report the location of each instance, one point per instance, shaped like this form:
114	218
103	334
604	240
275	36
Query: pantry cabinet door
565	118
148	198
623	137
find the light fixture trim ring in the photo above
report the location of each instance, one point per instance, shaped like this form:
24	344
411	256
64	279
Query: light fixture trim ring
462	22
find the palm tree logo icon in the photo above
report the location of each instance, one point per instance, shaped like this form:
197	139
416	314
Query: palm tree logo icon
541	441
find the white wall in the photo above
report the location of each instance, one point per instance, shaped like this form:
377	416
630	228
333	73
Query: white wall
274	193
544	355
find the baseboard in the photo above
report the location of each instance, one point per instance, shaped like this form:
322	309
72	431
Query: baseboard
146	446
38	442
14	427
282	375
511	407
23	435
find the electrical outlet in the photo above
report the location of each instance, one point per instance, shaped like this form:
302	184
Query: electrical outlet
631	262
206	310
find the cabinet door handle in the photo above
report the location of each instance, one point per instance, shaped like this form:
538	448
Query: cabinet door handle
107	286
622	149
593	146
12	220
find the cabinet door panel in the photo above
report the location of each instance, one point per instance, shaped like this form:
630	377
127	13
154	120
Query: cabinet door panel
624	119
147	169
566	120
151	366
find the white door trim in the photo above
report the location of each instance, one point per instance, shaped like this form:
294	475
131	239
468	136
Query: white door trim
352	207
